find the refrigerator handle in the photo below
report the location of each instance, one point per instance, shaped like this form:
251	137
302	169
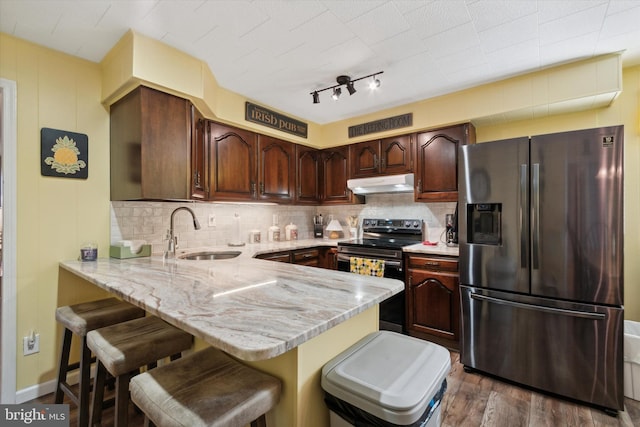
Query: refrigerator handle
535	216
521	215
552	310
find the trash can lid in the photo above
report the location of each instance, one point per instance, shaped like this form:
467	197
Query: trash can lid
389	375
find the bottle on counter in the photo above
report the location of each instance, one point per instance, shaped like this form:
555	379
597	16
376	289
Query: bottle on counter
291	231
274	230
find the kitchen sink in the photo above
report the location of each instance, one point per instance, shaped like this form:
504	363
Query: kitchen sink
210	255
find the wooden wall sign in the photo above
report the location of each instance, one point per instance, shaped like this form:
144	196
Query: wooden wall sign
257	114
401	121
64	154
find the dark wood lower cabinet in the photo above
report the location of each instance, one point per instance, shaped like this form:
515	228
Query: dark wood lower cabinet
310	257
433	299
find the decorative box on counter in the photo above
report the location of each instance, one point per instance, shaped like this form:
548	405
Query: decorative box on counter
129	249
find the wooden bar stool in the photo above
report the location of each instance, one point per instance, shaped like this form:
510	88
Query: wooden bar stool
207	388
123	349
79	319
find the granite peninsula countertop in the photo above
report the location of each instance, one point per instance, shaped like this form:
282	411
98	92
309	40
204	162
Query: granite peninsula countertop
253	309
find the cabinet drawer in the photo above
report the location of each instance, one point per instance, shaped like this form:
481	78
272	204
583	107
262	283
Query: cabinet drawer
276	256
307	257
433	263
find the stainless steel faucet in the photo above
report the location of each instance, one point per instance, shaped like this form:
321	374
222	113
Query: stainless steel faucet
173	239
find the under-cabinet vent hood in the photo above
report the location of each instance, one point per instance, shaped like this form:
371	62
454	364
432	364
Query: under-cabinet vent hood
382	184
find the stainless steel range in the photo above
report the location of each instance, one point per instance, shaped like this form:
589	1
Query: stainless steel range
383	239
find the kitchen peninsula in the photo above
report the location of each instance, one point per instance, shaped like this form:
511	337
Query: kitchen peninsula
285	319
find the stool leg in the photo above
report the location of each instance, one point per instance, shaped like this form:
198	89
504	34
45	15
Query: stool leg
260	422
85	385
122	400
98	395
64	363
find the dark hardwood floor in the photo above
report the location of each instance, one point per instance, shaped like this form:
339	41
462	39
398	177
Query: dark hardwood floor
474	399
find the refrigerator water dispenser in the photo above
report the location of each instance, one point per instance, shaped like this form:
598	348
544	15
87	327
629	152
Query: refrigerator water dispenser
484	223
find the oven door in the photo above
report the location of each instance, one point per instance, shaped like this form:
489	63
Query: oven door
392	310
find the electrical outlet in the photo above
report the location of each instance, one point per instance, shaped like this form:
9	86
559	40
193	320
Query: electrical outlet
212	220
31	344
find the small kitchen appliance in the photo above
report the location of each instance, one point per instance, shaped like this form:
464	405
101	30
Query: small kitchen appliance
383	239
318	226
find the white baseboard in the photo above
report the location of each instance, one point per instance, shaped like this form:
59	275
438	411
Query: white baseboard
38	390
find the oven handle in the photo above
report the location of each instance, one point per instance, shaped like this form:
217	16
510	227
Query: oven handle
387	262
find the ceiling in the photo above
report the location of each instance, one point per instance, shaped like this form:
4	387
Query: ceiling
275	52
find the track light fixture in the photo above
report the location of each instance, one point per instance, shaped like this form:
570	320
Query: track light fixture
349	83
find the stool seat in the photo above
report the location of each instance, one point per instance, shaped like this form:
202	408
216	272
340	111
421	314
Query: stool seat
85	317
124	348
79	319
207	388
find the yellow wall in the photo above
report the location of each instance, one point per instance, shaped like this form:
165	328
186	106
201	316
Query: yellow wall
55	215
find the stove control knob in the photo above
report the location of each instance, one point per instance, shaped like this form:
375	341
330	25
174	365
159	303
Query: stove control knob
416	224
407	224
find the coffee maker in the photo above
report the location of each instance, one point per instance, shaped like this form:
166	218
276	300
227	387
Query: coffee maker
451	221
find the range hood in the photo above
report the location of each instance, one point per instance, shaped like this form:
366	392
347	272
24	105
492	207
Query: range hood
382	184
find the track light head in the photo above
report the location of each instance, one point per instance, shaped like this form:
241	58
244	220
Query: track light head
350	88
316	97
336	93
375	83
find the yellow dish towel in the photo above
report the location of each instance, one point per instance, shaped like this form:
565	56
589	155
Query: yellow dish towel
366	266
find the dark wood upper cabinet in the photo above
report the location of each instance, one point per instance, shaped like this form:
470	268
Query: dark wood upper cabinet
335	173
232	163
437	162
307	175
388	156
276	170
396	155
199	158
365	159
150	134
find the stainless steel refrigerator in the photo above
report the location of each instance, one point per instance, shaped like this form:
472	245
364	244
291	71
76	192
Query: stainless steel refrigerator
541	262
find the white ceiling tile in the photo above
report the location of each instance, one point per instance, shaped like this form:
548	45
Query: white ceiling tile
575	25
379	24
292	14
453	40
348	10
509	34
437	17
527	52
333	31
401	46
581	47
623	22
550	10
492	13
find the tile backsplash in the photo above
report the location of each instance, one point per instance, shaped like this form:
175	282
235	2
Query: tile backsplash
149	221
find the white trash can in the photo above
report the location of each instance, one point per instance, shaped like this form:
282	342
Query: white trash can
632	359
387	379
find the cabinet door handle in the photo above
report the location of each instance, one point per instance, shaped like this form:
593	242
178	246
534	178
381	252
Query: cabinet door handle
375	161
432	264
253	189
262	188
383	163
420	185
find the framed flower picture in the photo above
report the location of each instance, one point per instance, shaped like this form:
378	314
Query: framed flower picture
64	154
